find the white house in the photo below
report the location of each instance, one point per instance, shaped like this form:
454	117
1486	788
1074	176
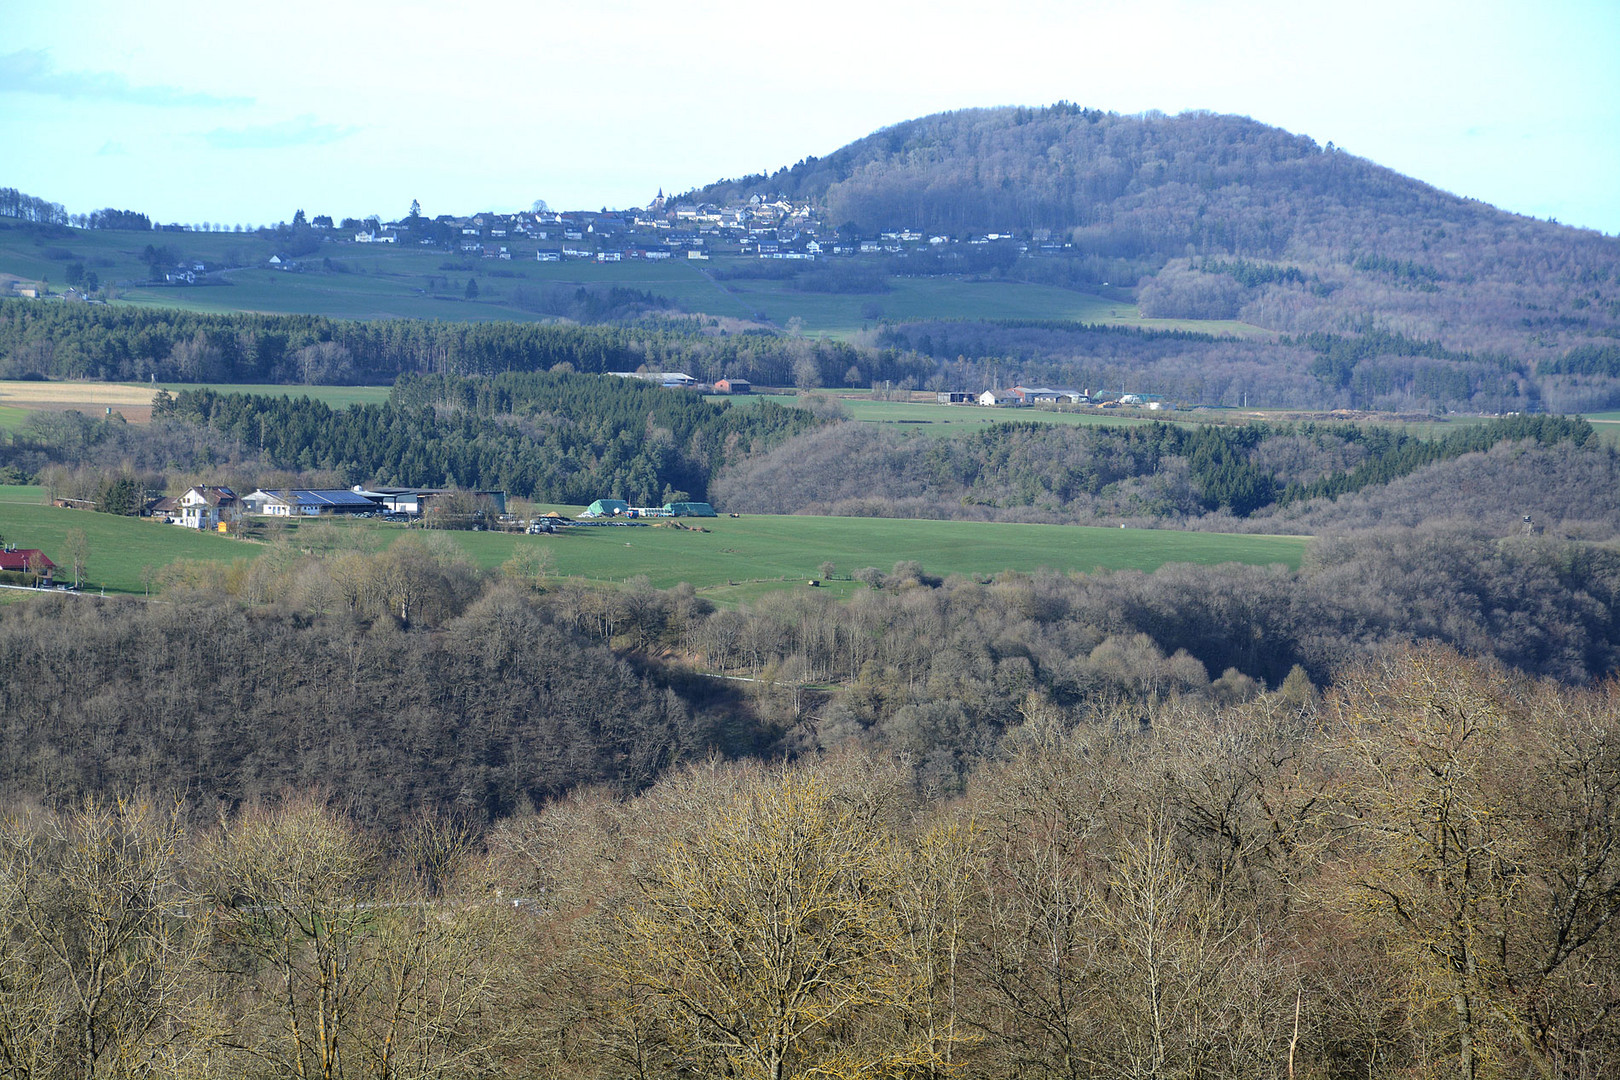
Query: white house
205	507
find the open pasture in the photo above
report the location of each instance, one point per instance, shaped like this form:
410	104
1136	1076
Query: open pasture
761	548
737	553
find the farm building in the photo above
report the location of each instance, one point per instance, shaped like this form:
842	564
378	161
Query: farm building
396	500
618	508
733	386
1030	395
415	500
666	379
302	502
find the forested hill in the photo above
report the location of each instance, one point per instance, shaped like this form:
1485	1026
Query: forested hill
1221	216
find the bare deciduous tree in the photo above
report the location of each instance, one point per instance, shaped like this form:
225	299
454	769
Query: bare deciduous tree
770	938
95	968
341	970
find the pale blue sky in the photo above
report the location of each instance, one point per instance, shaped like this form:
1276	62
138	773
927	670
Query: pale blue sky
225	112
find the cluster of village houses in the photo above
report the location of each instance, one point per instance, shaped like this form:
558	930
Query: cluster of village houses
763	227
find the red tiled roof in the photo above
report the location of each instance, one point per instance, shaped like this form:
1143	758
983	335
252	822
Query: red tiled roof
22	560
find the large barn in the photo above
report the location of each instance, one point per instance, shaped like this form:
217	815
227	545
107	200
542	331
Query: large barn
307	502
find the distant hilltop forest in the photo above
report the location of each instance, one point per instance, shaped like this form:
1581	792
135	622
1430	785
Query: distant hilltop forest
1216	216
1356	286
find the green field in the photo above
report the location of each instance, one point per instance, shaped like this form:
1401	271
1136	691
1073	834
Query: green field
372	281
736	558
764	548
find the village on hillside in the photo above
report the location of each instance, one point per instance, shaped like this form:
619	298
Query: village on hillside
664	229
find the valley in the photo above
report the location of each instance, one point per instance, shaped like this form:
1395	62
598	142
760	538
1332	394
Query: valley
1030	593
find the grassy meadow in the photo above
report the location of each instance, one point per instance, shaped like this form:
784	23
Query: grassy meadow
736	558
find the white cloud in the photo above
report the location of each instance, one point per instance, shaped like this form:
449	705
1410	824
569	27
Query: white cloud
31	71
